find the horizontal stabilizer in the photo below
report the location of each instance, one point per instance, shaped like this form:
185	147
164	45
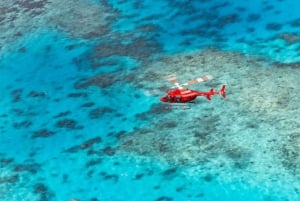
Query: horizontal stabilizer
208	97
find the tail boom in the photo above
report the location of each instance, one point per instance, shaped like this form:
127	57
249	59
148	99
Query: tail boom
212	92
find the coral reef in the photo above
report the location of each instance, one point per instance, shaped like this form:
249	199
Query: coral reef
290	38
75	18
68	124
42	133
219	133
73	114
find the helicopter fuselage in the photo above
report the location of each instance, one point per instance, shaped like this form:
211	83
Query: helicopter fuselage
180	96
184	95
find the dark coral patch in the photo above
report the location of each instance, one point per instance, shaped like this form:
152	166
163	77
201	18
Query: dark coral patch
268	8
68	124
5	161
31	5
32	168
200	195
35	94
241	9
163	148
85	145
148	28
2	19
40	188
90	142
253	17
70	47
101	81
62	114
273	26
22	124
43	191
208	178
65	178
88	104
179	189
99	112
112	177
252	125
294	65
221	5
290	153
240	157
139	48
139	176
17	111
42	133
34	13
201	135
109	151
73	149
16	95
116	163
227	19
250	29
18	34
95	152
3	115
295	22
105	63
164	198
234	153
93	162
290	38
97	32
90	173
118	135
169	172
9	179
77	95
22	50
168	124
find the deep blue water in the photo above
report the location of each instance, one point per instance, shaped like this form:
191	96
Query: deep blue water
76	122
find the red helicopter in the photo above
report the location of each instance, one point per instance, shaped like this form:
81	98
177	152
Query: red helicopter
180	94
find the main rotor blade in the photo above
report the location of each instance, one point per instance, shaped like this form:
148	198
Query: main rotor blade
158	91
200	79
173	80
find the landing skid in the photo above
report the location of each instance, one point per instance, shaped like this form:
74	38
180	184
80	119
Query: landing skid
181	106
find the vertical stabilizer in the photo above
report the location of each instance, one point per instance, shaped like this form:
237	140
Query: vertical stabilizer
222	91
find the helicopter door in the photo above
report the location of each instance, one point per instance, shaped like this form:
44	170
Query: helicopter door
172	99
178	99
169	99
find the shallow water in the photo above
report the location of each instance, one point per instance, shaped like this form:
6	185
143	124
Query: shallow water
76	123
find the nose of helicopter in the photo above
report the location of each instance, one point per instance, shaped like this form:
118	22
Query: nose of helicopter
164	99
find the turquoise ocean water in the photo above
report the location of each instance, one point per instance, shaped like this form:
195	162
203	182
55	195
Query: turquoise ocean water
76	122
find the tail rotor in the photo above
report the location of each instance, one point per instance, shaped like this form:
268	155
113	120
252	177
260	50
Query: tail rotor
223	91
